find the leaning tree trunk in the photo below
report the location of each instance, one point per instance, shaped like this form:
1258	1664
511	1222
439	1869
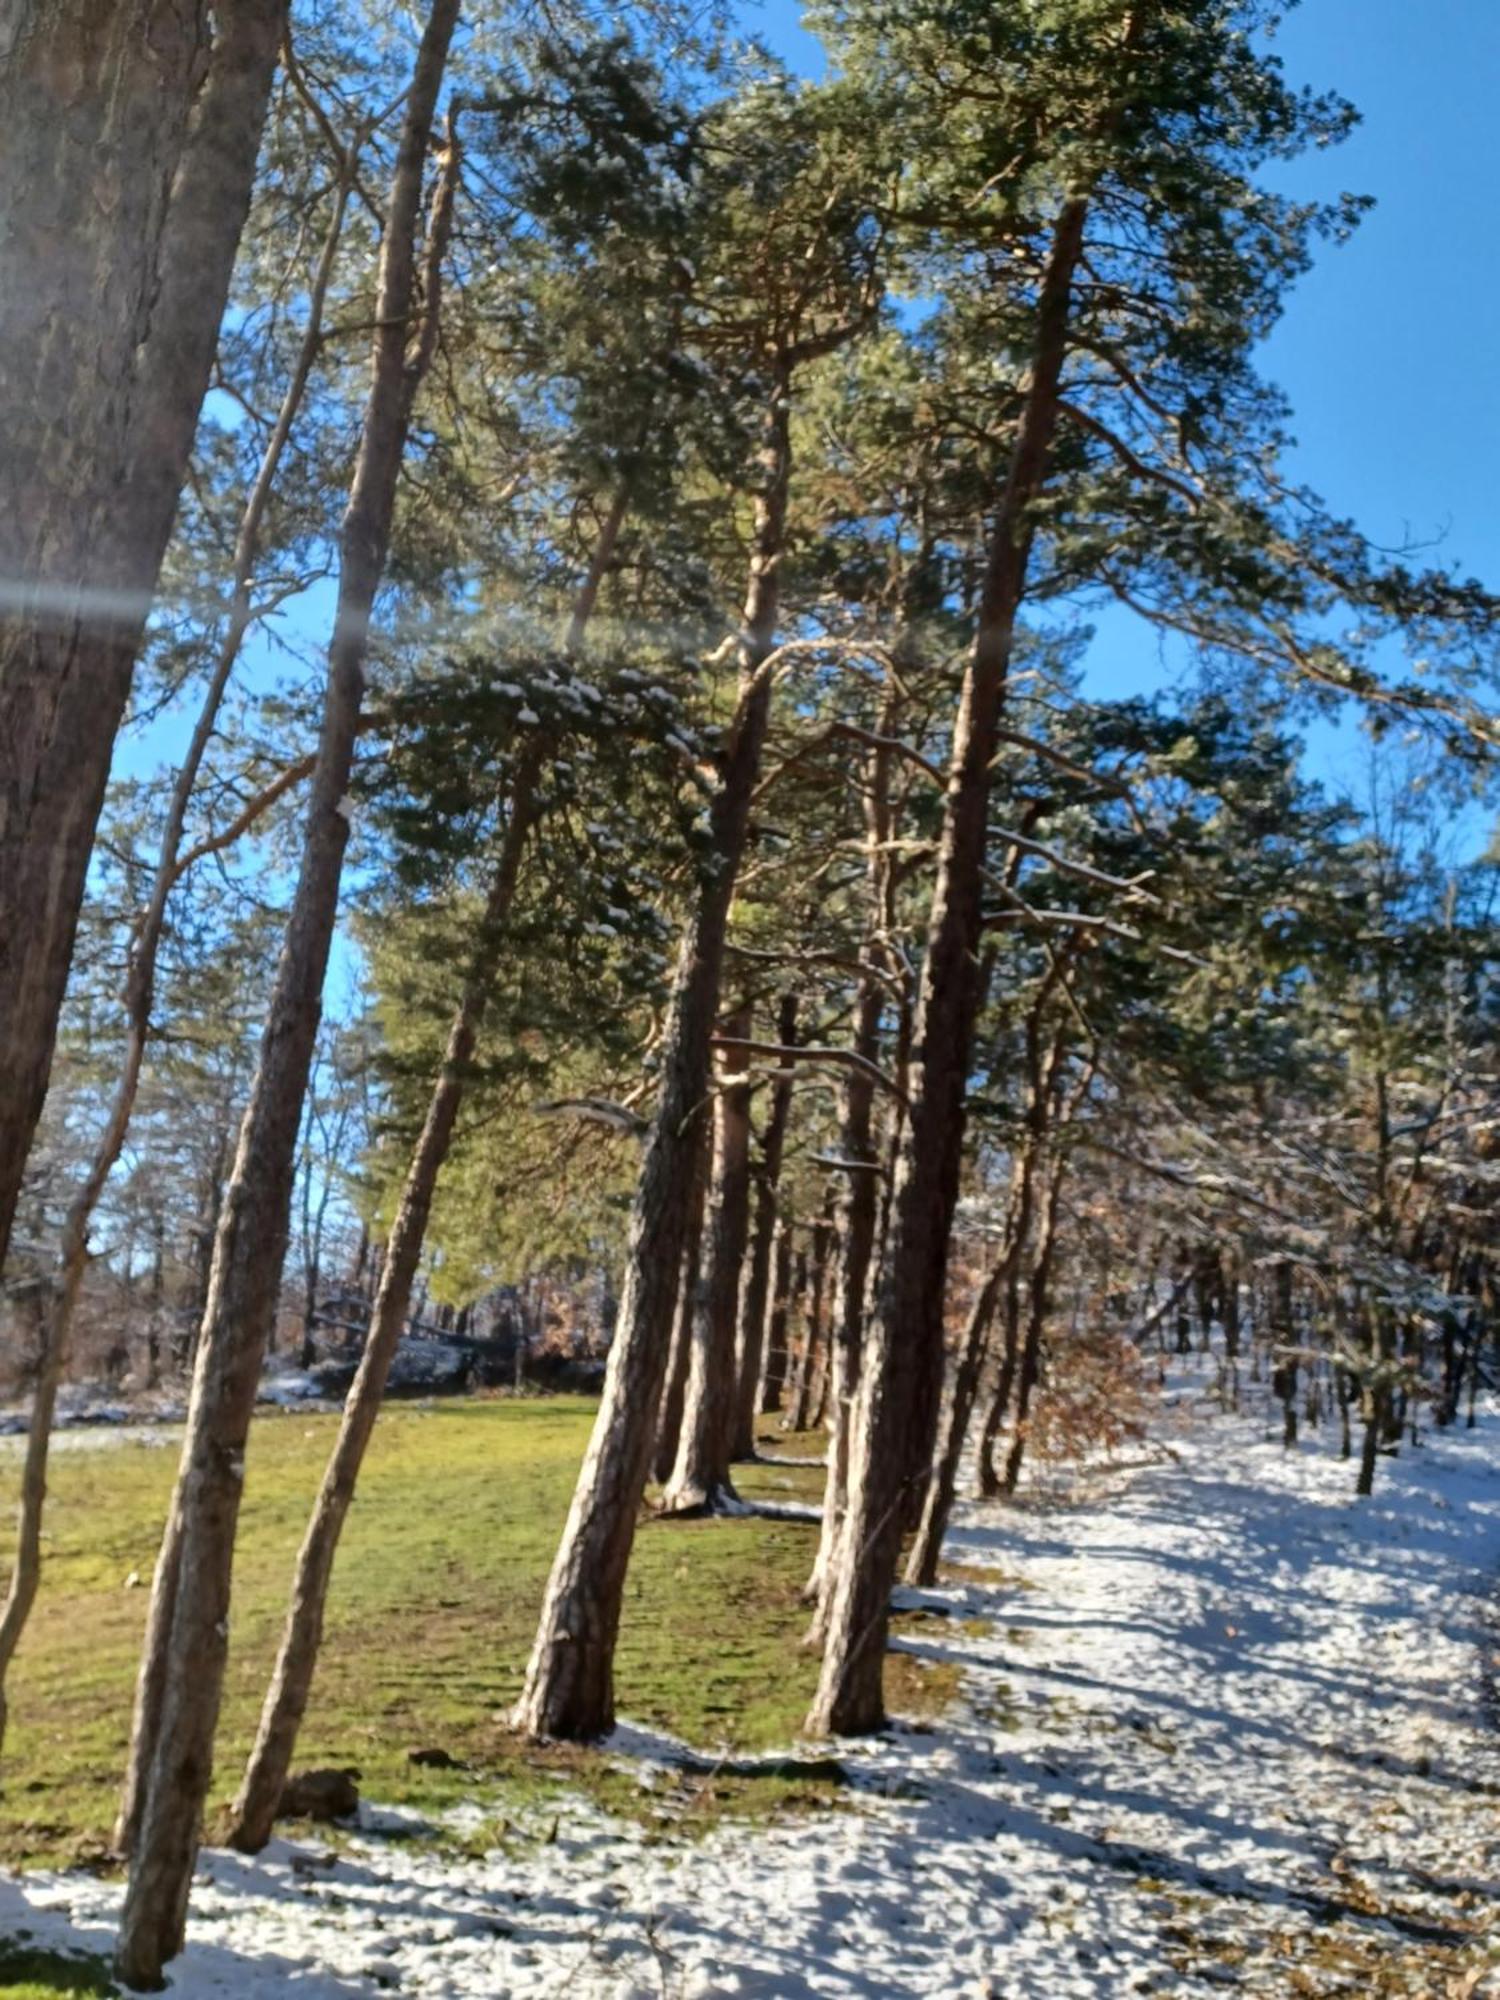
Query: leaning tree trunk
750	1338
700	1481
140	981
569	1687
128	138
182	1668
902	1378
255	1808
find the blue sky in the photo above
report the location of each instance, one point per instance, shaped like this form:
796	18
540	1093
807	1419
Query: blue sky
1390	348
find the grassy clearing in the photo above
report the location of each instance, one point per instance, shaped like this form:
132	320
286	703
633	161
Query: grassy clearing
435	1599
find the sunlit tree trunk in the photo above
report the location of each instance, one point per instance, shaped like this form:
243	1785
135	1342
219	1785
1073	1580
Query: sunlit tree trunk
902	1379
778	1317
755	1293
674	1389
569	1686
182	1668
286	1699
700	1478
128	138
942	1481
811	1360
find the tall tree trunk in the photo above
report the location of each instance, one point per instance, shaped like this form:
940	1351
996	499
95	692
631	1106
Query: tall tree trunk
674	1389
751	1334
902	1378
942	1481
1284	1368
569	1688
1036	1323
778	1315
140	982
798	1291
128	138
291	1678
857	1221
859	1208
182	1668
700	1478
811	1362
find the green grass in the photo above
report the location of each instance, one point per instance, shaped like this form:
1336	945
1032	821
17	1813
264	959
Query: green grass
435	1597
27	1973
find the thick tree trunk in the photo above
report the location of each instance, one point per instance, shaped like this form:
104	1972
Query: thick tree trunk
177	1697
751	1334
674	1389
569	1688
860	1207
701	1479
857	1219
291	1679
902	1378
140	985
128	138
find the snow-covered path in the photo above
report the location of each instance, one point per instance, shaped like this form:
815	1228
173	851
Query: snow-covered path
1226	1728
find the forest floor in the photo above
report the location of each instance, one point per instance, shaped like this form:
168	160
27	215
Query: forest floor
1216	1726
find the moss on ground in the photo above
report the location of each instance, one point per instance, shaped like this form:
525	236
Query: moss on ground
435	1599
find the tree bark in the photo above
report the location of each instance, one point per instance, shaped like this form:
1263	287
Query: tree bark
811	1363
128	139
701	1481
286	1699
1284	1334
178	1692
140	986
860	1207
751	1335
569	1687
901	1383
1036	1323
857	1220
942	1482
674	1389
778	1311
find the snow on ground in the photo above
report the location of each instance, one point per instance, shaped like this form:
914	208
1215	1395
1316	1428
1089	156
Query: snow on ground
1226	1728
